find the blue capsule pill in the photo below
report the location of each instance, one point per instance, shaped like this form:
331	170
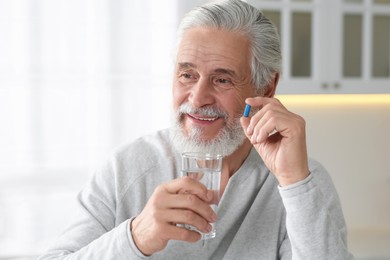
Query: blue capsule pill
247	110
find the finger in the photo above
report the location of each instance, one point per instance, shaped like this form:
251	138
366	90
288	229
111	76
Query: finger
188	185
269	122
262	101
263	130
274	106
245	121
179	216
191	202
280	120
271	105
181	233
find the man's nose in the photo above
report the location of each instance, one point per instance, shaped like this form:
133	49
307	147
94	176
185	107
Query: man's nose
201	93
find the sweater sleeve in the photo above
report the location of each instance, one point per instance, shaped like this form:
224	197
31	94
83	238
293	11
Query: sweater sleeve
315	223
94	234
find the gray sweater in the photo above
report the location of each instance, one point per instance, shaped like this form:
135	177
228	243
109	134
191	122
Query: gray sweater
257	219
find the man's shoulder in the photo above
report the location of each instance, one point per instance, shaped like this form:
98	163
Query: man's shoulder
147	143
136	160
145	150
148	159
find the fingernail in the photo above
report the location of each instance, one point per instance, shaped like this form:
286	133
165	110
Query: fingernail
249	129
209	228
213	218
253	139
209	195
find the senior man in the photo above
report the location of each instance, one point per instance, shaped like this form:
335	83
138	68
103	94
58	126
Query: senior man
276	203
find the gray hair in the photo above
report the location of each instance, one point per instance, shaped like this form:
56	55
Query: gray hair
238	16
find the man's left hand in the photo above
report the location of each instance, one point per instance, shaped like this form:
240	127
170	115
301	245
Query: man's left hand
279	137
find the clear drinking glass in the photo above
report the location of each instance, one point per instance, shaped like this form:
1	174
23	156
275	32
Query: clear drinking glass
205	168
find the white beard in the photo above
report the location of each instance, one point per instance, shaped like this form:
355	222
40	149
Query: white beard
229	138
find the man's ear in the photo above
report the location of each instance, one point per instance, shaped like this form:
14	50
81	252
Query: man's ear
271	88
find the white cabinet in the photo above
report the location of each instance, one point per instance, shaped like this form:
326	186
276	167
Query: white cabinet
332	46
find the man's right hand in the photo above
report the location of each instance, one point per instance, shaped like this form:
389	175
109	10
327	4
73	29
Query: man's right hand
180	201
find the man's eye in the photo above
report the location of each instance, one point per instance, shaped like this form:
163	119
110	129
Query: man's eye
186	75
223	82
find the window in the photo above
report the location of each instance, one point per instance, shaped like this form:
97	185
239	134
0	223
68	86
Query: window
77	78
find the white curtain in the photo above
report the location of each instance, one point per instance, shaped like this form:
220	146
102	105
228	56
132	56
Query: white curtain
77	78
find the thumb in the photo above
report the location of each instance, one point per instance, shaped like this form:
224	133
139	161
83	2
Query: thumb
244	124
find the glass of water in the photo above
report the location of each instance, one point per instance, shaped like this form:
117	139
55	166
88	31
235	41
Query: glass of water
205	168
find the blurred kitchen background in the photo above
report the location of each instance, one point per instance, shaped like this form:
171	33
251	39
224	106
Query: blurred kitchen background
80	77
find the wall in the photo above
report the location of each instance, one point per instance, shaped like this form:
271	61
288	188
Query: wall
350	136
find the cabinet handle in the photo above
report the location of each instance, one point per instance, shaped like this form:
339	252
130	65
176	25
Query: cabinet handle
325	85
336	85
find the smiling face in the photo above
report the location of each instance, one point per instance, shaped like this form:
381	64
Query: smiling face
211	81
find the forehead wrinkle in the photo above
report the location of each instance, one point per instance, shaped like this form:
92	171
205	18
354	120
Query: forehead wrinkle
202	52
221	69
186	65
199	56
225	71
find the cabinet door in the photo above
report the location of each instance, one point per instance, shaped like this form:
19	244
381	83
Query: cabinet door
363	54
297	21
332	46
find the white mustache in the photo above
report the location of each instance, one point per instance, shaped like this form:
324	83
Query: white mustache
186	108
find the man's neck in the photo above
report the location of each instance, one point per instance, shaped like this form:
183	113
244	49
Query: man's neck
233	162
